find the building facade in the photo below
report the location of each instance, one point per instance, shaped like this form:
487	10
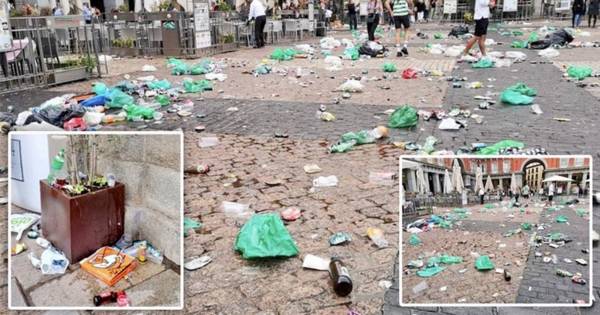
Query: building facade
527	170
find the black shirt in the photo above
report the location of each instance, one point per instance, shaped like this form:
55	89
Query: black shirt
351	8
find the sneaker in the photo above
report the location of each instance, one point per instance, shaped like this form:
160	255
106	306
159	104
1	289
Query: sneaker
405	51
398	53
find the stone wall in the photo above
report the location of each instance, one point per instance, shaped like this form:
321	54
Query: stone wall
150	168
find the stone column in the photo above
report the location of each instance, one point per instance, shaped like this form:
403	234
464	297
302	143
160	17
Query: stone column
412	181
436	183
569	184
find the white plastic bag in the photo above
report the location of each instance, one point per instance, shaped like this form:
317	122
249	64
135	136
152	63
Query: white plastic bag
305	48
549	53
216	76
516	55
351	86
454	51
149	68
53	261
325	181
93	118
329	43
333	63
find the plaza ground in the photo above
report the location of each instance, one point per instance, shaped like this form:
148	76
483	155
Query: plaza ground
483	231
271	175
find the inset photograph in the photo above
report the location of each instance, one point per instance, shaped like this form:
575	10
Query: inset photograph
95	220
496	230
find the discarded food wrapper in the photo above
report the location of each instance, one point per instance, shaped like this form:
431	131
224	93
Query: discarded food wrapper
376	235
536	109
19	222
325	181
42	242
148	68
206	142
449	124
197	263
236	209
190	224
315	262
18	248
339	238
311	168
291	213
351	85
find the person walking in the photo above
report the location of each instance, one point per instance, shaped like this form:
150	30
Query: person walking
593	11
578	9
257	13
482	14
400	12
374	9
481	195
551	193
517	193
352	15
525	191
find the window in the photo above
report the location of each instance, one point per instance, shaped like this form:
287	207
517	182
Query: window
506	166
564	162
494	167
579	161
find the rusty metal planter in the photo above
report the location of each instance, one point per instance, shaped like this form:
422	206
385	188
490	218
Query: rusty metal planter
80	225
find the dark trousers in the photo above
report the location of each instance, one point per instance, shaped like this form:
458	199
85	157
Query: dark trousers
372	26
259	27
481	199
352	21
590	17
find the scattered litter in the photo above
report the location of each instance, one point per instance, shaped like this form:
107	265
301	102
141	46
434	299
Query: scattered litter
376	235
265	236
197	263
291	213
339	238
311	168
315	262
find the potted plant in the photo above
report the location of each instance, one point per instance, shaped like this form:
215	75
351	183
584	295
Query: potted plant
123	47
81	210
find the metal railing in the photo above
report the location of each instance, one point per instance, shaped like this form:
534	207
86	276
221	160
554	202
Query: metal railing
525	11
43	54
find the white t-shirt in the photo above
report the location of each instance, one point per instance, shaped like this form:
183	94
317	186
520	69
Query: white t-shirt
551	190
256	9
482	9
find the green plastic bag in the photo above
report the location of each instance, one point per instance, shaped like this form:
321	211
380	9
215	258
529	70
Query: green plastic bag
579	72
360	137
198	69
557	236
562	219
403	117
496	147
526	226
180	69
459	210
414	240
342	147
118	99
438	36
446	224
581	212
522	89
351	53
489	206
171	62
281	55
163	100
483	263
389	67
483	63
444	259
99	88
135	112
519	44
159	85
517	33
265	236
430	271
512	97
190	224
196	86
533	36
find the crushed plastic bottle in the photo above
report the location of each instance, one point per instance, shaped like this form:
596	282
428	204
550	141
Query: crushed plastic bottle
376	235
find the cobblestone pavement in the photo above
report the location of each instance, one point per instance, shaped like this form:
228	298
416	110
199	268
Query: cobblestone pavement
482	232
540	283
272	103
